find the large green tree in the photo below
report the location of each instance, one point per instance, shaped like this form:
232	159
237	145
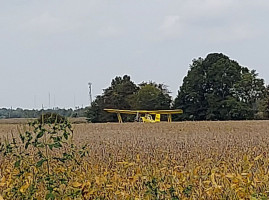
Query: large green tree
151	96
217	88
263	106
115	96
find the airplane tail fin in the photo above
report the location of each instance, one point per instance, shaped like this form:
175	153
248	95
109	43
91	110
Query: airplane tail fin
157	117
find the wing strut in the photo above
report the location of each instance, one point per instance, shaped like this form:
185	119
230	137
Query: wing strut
169	118
137	117
119	117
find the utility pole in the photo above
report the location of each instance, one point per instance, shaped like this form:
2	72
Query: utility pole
35	101
49	100
90	92
54	102
9	114
74	101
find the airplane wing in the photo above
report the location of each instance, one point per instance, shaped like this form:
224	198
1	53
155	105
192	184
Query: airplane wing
178	111
121	111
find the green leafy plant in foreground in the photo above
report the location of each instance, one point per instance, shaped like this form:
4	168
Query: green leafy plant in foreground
43	157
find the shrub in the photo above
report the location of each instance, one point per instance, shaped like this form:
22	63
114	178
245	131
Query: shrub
50	118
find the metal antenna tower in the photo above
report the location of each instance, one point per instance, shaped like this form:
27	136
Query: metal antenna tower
90	92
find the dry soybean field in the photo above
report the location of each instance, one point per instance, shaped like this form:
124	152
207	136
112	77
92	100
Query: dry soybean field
180	160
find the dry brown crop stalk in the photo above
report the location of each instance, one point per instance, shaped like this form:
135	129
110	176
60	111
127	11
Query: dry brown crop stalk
186	160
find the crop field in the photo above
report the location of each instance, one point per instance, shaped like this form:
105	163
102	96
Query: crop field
180	160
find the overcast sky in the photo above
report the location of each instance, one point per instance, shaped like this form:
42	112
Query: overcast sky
56	47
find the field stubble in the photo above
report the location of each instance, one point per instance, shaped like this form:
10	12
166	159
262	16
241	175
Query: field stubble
185	160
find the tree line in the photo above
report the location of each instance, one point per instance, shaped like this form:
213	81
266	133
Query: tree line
6	113
125	94
215	88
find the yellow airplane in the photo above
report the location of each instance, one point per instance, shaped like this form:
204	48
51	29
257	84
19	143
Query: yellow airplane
147	114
